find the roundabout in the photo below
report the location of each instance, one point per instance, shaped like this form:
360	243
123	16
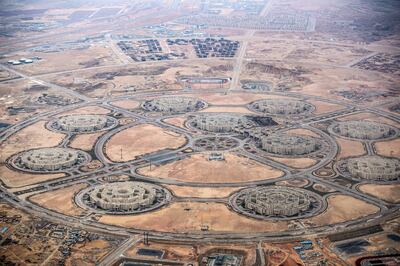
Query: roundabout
219	143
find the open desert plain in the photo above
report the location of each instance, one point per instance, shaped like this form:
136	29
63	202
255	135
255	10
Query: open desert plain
200	132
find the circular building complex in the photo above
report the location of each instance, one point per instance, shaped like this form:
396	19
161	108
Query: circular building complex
49	159
282	107
220	122
123	197
82	123
174	105
363	130
276	202
371	167
290	144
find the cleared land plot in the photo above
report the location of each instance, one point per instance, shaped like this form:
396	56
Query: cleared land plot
176	121
390	193
349	148
127	104
389	148
343	208
299	51
202	192
95	55
198	168
33	136
19	179
88	110
295	162
61	200
191	217
85	141
140	140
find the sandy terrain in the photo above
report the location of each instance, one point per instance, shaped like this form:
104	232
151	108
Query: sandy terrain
349	148
71	59
127	104
343	208
302	131
85	141
295	162
191	217
390	193
140	140
370	117
19	179
61	200
202	192
176	121
298	51
389	148
88	110
324	107
33	136
198	168
328	82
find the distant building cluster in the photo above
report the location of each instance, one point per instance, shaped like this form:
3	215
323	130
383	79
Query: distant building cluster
382	62
279	21
290	144
282	107
49	159
82	123
147	50
221	123
126	196
174	105
374	168
209	47
23	60
363	130
123	197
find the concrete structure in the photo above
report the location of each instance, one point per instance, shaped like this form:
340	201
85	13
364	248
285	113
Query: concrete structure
220	122
123	197
49	159
82	123
174	105
282	107
363	130
277	202
374	168
290	144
